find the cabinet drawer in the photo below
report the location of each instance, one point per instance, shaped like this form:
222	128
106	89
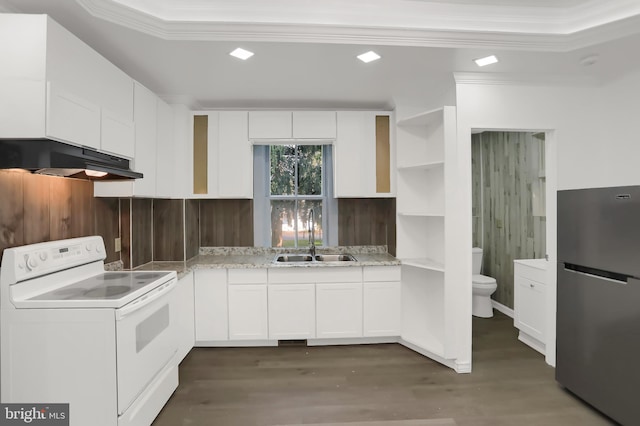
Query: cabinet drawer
342	274
530	268
247	276
381	273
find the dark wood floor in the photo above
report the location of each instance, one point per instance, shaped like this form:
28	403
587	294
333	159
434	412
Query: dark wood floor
382	384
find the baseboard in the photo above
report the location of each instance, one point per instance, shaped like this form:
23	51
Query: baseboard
502	308
352	341
451	363
234	343
532	342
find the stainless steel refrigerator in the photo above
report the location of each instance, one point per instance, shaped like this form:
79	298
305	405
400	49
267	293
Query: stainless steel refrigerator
598	311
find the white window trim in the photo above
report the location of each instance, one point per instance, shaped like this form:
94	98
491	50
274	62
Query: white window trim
262	198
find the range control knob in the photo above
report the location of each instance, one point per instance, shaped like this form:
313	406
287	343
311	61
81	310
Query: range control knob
99	248
32	262
43	256
89	247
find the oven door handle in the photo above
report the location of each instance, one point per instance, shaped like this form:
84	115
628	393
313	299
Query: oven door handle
145	300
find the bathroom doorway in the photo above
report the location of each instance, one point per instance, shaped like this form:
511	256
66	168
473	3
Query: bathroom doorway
509	193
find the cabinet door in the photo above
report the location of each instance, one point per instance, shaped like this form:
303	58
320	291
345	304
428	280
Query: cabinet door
269	124
186	324
314	124
235	156
145	115
71	118
292	311
382	309
248	312
117	134
211	311
166	185
529	307
358	137
338	310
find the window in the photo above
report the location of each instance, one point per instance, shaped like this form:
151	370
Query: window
296	173
290	181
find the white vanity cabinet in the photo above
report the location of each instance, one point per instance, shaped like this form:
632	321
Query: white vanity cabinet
381	301
184	294
247	297
530	301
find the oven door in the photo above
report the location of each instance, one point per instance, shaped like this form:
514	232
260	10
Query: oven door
147	340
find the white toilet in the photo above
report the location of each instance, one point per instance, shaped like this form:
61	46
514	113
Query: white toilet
483	288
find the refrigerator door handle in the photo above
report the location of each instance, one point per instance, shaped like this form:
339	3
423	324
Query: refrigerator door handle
595	273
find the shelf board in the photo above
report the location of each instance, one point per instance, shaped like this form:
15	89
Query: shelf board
421	214
424	263
424	119
422	166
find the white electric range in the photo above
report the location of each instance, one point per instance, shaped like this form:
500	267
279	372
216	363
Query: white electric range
104	342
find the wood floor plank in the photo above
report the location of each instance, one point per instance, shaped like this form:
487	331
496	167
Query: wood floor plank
374	385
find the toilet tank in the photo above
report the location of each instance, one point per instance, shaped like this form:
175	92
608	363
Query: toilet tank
477	259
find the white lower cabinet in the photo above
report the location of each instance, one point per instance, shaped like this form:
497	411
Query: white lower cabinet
292	311
248	312
338	310
211	306
185	315
382	316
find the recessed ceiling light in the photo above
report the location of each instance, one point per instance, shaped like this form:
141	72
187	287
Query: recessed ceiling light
241	54
369	56
487	60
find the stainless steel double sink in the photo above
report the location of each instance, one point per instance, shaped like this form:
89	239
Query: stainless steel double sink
307	258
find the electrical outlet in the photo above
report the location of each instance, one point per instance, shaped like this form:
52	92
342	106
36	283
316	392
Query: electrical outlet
499	223
118	245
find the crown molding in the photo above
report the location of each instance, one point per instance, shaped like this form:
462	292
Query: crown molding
347	34
524	79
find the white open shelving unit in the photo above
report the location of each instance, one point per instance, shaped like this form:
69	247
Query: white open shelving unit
423	144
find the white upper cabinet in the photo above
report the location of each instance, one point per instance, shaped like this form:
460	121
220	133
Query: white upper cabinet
270	124
54	85
145	114
222	164
167	169
296	125
364	155
314	125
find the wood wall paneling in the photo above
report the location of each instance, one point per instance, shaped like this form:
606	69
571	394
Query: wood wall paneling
36	208
168	230
226	223
192	227
82	217
142	231
11	209
60	205
510	168
383	154
107	225
367	221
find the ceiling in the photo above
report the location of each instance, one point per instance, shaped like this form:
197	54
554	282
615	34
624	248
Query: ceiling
305	50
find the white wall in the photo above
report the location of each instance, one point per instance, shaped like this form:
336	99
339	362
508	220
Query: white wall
593	142
574	154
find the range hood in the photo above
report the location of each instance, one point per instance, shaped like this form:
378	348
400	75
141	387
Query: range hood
50	157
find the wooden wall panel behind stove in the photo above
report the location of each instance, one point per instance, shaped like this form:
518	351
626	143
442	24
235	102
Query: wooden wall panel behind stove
168	230
142	231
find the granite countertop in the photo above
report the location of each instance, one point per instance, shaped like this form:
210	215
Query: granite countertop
257	257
